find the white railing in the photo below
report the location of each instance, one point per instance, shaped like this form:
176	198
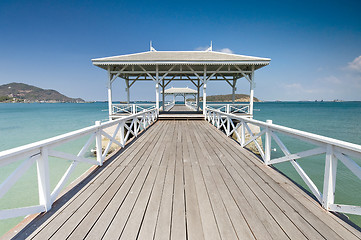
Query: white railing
168	106
131	108
229	108
39	153
334	150
191	105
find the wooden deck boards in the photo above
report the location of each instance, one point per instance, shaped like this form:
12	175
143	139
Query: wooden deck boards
187	180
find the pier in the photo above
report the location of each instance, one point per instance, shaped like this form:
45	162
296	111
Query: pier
183	171
187	180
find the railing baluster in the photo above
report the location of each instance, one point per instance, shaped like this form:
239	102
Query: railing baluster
329	183
267	144
42	164
98	144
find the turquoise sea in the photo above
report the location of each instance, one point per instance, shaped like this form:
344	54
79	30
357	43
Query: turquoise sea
26	123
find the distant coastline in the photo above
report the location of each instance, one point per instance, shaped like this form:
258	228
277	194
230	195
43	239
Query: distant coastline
24	93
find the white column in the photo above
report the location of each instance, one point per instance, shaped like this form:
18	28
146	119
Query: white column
110	101
204	90
251	92
43	179
234	90
157	96
163	96
157	89
128	90
329	183
204	98
198	95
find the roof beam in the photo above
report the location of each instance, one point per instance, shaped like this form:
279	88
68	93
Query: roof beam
167	73
243	73
117	75
213	74
155	80
195	73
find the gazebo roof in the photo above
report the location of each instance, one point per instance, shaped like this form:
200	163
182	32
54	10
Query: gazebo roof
195	57
186	90
180	65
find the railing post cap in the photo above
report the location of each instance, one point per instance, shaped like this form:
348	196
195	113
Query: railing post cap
269	121
98	123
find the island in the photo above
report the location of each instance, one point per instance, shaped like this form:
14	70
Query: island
24	93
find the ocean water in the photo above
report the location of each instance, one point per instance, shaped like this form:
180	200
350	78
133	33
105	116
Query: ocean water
25	123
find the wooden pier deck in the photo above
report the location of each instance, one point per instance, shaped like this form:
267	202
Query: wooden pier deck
187	180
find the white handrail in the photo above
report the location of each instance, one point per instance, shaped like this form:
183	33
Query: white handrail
40	151
191	105
229	108
131	108
333	149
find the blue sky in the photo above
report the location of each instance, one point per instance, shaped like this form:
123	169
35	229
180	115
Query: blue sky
315	46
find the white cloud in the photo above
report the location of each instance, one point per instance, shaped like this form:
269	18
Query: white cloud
355	64
297	88
331	80
201	48
225	50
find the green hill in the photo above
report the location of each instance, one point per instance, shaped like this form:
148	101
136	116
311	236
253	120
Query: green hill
228	98
20	92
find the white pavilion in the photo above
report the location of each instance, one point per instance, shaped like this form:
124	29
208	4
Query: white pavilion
198	67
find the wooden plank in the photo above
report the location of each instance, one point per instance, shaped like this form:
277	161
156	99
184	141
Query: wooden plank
147	229
124	209
207	219
248	196
178	226
85	217
238	220
222	219
291	199
194	223
288	227
87	190
134	222
164	220
209	224
92	207
292	204
255	224
156	156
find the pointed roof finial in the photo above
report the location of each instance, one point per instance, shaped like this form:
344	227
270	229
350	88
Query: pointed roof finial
210	49
151	48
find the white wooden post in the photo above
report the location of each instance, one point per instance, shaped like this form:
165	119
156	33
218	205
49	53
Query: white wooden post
110	101
134	109
121	133
128	90
267	144
243	134
227	108
251	92
329	183
163	95
228	126
98	144
204	89
234	90
157	89
42	164
198	95
135	126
